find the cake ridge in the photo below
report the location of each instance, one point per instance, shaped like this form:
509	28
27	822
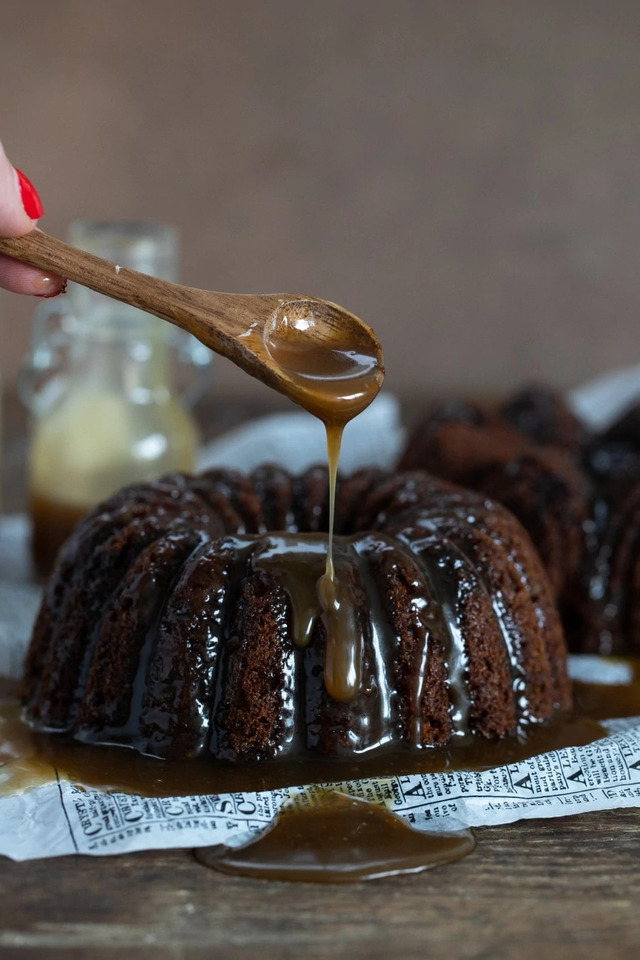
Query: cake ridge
194	540
459	682
422	625
63	670
382	639
191	679
250	673
112	682
97	528
516	652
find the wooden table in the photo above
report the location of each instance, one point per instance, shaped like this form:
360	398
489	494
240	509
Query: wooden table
564	888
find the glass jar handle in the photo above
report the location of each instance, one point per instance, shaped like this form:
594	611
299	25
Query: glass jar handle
43	376
196	361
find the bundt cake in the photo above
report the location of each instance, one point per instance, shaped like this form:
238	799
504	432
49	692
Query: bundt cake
175	623
577	494
543	416
487	449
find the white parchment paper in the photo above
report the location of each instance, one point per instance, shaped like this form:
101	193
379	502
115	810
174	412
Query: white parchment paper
61	818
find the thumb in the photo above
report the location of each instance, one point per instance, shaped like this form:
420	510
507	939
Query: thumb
20	208
20	205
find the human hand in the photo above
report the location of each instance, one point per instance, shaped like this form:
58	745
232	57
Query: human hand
20	209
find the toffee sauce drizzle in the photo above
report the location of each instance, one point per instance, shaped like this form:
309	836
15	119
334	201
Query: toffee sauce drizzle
338	838
335	382
300	845
297	563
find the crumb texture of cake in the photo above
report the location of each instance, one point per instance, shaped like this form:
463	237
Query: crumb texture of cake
576	493
182	619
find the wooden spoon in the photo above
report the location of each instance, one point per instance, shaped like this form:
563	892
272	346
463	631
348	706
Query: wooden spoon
315	352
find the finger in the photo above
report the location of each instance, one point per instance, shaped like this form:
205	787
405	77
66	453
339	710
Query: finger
20	208
20	205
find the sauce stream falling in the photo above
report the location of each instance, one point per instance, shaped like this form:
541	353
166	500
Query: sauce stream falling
335	380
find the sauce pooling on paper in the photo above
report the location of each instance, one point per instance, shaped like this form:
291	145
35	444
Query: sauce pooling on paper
337	840
28	758
373	842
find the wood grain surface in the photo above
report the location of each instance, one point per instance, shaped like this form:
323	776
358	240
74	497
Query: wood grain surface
540	890
543	889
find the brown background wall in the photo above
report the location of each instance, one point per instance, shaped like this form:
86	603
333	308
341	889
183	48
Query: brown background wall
465	175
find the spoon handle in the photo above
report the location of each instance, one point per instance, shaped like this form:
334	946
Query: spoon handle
48	253
217	319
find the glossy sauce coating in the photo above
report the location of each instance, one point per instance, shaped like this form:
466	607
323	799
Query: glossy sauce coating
27	757
338	840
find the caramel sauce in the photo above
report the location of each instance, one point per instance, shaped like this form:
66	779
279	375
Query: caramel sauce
339	839
52	523
334	380
300	563
28	758
300	845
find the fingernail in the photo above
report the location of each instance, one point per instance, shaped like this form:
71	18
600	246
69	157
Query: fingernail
51	287
30	199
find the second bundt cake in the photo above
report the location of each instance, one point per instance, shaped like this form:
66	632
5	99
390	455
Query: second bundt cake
577	494
487	449
175	623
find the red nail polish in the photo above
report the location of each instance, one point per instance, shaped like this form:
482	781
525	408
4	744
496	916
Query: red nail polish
30	199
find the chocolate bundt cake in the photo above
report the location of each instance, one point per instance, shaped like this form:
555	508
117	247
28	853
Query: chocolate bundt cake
175	623
543	416
577	494
487	449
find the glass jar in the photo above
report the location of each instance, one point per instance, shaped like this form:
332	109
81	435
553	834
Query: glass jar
99	382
